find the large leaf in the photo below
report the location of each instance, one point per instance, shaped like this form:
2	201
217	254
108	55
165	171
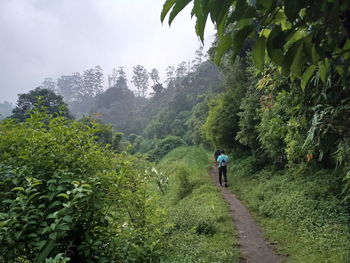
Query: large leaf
202	16
166	7
219	10
179	5
242	11
45	252
258	53
323	70
291	55
281	19
292	9
274	45
276	38
307	75
264	4
220	28
298	60
276	55
223	45
239	37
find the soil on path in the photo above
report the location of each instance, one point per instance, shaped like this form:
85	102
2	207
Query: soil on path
254	247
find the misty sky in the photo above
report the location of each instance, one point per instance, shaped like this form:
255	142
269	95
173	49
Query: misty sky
50	38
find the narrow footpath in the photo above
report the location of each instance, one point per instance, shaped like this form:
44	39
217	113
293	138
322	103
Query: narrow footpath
253	245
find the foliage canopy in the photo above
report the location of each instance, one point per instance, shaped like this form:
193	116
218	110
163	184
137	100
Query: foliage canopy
301	37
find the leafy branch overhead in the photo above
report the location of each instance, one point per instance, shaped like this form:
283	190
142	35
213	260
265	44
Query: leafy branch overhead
301	37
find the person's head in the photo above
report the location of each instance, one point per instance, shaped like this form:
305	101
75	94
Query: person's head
222	152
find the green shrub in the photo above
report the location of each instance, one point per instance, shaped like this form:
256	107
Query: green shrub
63	195
182	174
164	146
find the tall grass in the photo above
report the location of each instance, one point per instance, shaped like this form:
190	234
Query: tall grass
301	212
201	228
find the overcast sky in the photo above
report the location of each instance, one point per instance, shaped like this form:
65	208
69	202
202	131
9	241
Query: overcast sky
50	38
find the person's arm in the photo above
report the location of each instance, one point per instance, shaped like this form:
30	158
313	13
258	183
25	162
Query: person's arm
218	160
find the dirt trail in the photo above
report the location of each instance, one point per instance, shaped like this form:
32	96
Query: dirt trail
254	247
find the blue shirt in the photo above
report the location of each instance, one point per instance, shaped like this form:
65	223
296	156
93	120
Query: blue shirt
221	158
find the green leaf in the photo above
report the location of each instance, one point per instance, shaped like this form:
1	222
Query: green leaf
264	4
239	37
219	10
17	189
292	9
323	70
166	7
32	196
40	244
179	5
292	57
221	29
298	60
235	44
242	11
68	219
56	203
276	38
307	75
223	45
63	227
340	70
201	19
63	195
53	236
258	53
276	55
45	252
274	45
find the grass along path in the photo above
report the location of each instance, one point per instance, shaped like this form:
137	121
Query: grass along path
254	247
300	212
201	227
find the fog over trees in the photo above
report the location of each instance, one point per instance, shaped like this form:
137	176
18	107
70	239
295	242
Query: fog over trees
107	165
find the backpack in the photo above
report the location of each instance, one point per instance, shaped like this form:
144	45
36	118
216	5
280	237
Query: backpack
223	162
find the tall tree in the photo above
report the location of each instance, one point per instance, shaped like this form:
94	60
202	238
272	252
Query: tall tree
70	86
199	59
112	78
170	74
43	99
181	70
140	80
50	84
154	75
92	83
122	80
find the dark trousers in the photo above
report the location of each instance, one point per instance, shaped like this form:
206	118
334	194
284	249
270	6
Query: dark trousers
222	171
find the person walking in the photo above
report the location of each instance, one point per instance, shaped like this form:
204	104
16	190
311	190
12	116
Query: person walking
222	161
216	155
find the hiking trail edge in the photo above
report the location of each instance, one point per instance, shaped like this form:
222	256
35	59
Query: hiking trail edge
254	247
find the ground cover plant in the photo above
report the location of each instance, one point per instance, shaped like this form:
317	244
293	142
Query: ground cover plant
301	212
201	228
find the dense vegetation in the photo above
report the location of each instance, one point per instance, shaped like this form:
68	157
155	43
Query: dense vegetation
301	213
65	196
287	114
86	190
